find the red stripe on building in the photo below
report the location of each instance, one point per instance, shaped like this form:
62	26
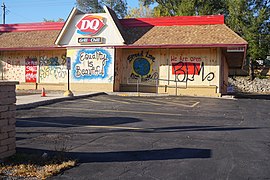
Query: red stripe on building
186	68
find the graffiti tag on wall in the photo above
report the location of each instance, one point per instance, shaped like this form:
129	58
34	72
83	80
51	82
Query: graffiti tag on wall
142	65
31	70
13	70
182	70
52	67
186	67
184	58
92	64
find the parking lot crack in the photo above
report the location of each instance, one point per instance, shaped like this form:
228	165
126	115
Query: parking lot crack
232	166
89	142
153	143
126	170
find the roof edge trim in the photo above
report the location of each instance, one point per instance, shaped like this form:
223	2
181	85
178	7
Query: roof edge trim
182	46
163	46
30	48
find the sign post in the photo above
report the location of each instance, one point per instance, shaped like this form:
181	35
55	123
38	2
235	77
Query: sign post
68	92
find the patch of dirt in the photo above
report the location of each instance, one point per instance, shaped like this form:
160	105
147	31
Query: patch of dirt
33	166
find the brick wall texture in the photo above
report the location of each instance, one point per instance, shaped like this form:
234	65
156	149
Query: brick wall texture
7	119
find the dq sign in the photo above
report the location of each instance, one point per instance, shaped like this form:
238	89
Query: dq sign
90	25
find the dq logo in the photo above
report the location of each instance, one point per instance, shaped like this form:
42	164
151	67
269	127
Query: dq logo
90	25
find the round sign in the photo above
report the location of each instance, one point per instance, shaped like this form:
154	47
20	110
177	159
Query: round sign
141	66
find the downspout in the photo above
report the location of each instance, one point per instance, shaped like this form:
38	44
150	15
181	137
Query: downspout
222	68
168	62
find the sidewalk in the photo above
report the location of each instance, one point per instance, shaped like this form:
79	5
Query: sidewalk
33	100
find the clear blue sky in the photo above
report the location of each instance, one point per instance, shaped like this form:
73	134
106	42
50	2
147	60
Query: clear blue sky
24	11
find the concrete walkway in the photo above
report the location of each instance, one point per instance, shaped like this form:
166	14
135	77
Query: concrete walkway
33	100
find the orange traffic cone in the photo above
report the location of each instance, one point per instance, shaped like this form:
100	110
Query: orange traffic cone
43	94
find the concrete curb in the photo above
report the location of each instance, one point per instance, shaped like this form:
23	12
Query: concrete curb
56	100
252	96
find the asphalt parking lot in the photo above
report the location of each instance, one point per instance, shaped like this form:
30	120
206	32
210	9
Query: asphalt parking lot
116	137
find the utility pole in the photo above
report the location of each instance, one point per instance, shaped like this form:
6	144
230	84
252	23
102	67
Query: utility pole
4	13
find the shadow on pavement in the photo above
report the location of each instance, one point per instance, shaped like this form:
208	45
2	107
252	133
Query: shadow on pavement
200	128
173	129
176	129
65	122
128	156
71	121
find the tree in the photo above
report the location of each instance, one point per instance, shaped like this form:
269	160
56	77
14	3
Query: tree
139	12
251	20
89	6
52	20
95	6
186	7
119	7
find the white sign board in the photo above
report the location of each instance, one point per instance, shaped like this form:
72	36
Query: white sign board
236	49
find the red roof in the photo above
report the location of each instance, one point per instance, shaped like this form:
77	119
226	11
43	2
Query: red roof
173	21
131	22
41	26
